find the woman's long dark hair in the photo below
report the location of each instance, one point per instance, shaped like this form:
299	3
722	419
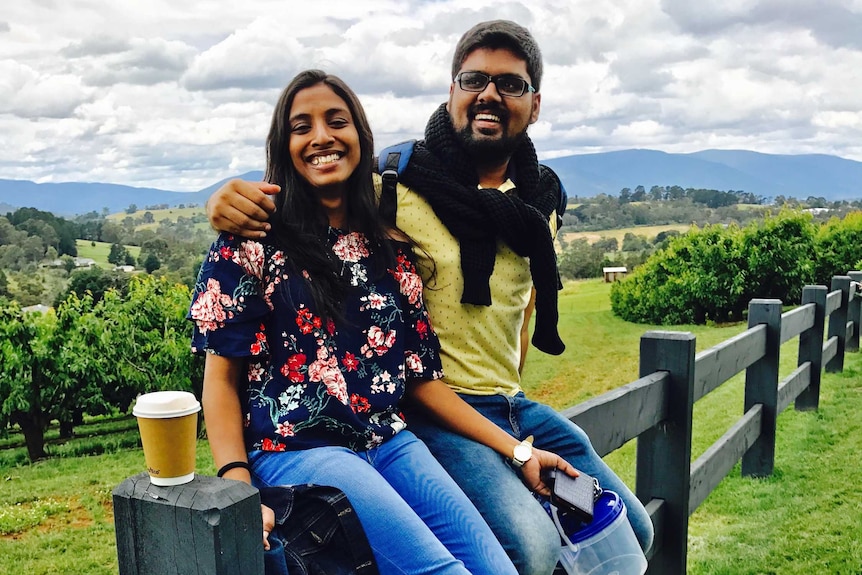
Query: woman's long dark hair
299	224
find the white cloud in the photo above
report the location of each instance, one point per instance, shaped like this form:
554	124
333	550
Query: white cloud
179	95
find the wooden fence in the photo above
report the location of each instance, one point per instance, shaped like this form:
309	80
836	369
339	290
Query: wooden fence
213	525
657	408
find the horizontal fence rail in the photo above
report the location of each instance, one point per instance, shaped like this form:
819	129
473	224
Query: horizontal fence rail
657	408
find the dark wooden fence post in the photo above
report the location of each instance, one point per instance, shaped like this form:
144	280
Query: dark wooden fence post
838	324
664	451
209	526
854	312
811	347
761	386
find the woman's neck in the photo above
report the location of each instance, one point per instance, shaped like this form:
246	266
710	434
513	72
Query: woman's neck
335	208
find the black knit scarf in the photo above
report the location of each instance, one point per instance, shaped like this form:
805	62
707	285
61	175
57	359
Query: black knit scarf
442	172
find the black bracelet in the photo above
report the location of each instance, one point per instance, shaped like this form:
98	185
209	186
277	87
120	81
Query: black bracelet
233	465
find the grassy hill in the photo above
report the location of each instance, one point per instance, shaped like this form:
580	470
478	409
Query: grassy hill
649	232
168	214
159	215
99	251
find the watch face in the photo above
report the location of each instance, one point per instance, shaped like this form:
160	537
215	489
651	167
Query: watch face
522	452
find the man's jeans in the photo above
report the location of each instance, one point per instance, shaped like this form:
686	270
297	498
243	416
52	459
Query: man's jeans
517	518
416	518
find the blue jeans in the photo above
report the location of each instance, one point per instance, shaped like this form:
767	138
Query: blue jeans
416	518
514	514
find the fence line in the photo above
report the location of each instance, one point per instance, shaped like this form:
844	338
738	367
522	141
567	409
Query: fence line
657	408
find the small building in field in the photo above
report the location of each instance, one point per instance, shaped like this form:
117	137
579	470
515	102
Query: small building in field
612	274
38	308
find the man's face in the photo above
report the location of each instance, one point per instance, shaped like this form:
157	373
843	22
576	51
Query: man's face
491	126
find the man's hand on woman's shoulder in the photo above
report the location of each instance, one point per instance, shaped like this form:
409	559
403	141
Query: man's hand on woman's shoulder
242	208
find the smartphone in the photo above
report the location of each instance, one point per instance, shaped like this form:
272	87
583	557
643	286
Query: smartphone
572	494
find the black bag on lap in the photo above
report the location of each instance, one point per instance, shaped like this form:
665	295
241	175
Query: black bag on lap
316	532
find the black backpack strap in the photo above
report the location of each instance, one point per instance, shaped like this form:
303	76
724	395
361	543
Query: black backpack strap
562	202
563	199
389	196
390	164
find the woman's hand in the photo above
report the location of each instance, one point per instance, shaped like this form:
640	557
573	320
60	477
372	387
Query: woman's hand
242	208
531	471
268	524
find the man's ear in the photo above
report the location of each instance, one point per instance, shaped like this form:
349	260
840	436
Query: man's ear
537	104
451	91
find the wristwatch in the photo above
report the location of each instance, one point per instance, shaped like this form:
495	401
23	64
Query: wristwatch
523	452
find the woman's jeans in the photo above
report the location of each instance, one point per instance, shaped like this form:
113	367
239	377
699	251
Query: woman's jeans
416	518
521	524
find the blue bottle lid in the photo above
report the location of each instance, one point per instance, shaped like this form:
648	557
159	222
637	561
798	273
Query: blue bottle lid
607	508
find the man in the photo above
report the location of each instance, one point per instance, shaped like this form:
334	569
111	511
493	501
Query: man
474	199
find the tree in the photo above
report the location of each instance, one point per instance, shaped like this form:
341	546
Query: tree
145	340
713	273
23	351
95	281
838	247
604	244
68	263
634	243
118	254
93	357
625	195
779	257
152	263
581	260
698	277
29	288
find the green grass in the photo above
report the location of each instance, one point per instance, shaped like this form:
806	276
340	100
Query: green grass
649	232
170	214
159	215
56	515
99	251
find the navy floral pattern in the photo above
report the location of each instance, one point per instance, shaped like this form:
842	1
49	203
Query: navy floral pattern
312	383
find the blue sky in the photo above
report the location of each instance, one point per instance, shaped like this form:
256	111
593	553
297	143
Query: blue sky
178	95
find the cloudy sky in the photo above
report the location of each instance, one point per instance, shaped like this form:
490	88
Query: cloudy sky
178	95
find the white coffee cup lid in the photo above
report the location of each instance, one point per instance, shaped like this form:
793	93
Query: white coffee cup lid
165	404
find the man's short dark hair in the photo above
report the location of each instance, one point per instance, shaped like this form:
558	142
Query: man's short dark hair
497	34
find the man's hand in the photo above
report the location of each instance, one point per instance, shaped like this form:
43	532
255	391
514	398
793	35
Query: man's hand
242	208
531	472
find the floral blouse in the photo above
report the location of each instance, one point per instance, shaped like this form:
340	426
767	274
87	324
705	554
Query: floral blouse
312	384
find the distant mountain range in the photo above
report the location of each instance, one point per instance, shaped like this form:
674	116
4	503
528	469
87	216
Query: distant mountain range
767	175
584	175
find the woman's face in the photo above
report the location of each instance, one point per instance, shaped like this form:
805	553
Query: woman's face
324	142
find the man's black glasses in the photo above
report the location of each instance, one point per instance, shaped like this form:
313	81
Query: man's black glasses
507	85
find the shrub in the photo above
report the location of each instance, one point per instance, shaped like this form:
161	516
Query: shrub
712	274
839	242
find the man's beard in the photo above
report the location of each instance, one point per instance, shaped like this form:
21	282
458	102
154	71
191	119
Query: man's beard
486	150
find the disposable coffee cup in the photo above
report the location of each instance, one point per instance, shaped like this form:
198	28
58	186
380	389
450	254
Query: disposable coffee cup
167	421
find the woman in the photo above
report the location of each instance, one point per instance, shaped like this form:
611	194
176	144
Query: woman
313	339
